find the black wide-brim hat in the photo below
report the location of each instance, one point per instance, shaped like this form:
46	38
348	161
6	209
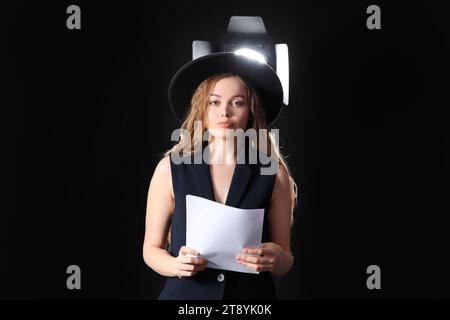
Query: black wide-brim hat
259	75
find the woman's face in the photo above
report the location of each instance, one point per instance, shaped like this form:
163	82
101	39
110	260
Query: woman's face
227	107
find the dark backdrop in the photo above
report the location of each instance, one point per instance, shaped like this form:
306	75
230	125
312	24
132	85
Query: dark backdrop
87	119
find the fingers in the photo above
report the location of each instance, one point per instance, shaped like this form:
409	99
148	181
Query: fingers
257	267
265	249
188	266
184	250
189	259
192	260
256	259
189	270
257	251
191	267
184	274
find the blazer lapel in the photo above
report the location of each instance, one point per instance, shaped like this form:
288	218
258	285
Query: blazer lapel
241	176
202	178
238	186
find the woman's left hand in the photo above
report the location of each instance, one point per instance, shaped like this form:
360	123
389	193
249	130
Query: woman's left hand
265	258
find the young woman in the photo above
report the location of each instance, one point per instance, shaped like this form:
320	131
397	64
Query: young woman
230	92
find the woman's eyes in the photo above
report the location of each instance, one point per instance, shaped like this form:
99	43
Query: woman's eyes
235	103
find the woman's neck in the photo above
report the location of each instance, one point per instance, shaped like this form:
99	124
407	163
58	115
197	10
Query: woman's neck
222	151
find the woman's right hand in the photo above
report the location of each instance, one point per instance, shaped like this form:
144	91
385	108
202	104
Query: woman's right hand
186	266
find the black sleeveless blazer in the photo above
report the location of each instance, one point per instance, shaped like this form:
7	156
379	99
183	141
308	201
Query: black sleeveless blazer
248	190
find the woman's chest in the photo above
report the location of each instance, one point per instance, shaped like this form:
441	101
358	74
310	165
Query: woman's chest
221	177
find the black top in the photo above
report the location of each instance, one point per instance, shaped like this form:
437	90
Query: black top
249	189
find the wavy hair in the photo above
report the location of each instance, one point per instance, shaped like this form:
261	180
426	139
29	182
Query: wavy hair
198	111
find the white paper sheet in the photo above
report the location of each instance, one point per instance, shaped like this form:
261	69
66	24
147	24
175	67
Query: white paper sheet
220	232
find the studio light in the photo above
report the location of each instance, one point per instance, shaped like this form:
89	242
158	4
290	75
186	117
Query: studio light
251	54
247	36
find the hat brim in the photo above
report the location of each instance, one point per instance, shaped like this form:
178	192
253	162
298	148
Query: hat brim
259	75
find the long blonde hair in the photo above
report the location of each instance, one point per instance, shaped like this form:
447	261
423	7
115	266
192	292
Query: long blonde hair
198	112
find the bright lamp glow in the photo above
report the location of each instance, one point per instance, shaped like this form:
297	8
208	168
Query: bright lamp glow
251	54
282	56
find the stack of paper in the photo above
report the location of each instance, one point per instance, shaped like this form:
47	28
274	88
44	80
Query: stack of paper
220	232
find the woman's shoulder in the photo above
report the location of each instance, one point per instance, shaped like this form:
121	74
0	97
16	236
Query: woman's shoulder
163	174
163	167
282	176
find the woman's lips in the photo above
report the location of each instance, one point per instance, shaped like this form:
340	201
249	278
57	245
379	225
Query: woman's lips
225	125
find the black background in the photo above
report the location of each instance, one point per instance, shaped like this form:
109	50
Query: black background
86	120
